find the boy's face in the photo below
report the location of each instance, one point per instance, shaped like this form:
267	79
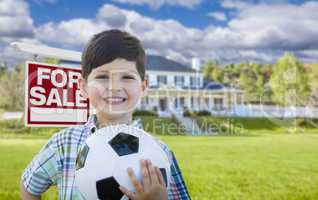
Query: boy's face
114	88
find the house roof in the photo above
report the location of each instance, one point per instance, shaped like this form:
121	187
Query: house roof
214	86
155	63
159	63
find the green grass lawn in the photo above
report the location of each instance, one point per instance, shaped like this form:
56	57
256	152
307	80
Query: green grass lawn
161	126
256	126
265	167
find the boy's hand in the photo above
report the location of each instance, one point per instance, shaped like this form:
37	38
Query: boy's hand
153	188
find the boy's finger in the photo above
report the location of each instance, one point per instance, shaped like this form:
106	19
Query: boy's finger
145	174
147	167
152	173
160	177
128	193
134	181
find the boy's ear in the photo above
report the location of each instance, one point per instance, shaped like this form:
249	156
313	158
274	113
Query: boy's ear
83	87
144	85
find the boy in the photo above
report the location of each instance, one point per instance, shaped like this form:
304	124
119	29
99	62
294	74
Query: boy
113	79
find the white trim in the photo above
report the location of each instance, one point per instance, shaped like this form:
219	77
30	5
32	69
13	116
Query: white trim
52	125
26	93
61	54
52	65
58	114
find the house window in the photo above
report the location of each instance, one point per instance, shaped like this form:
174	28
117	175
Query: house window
207	102
194	81
147	100
182	101
179	81
218	103
161	79
192	101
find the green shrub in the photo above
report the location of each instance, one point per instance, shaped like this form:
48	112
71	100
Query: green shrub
187	113
246	125
202	113
17	127
14	126
193	114
144	113
307	123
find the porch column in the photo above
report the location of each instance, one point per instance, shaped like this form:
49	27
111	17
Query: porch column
225	101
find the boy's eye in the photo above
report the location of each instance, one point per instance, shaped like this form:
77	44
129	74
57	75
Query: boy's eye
128	77
102	77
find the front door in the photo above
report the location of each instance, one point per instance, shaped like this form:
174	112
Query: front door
163	104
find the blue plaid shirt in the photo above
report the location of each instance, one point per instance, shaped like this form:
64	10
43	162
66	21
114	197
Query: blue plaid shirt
55	164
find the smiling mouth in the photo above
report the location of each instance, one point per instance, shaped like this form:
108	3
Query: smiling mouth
115	100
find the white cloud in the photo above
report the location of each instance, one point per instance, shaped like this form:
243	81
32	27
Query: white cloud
13	8
283	26
156	4
15	25
310	56
72	33
15	20
45	1
218	16
258	29
161	35
112	15
234	4
10	55
259	32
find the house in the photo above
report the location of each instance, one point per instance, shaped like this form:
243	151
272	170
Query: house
174	87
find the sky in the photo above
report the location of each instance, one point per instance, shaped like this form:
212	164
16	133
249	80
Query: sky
228	31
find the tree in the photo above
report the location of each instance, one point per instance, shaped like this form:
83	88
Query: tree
246	82
314	84
217	75
208	69
53	61
12	89
231	74
252	81
12	86
289	81
3	68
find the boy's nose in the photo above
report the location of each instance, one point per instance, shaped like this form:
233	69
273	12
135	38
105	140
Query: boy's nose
115	84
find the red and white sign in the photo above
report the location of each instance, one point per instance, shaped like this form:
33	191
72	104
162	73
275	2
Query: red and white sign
53	97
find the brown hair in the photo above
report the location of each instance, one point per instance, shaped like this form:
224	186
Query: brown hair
109	45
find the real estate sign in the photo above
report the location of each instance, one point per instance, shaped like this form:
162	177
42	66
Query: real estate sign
53	97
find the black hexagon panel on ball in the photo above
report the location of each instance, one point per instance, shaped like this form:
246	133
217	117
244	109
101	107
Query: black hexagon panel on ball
124	144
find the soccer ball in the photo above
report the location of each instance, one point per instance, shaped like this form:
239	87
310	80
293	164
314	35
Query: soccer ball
102	162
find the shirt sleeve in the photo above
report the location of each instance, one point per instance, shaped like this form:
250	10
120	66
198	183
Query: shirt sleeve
41	172
178	189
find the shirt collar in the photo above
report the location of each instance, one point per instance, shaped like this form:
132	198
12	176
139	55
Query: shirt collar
91	126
